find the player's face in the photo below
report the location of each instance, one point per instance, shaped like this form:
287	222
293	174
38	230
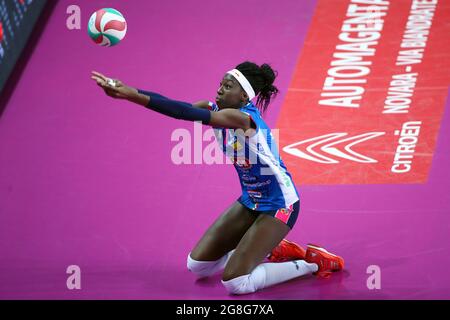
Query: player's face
230	93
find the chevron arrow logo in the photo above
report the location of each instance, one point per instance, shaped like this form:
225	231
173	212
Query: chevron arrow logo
319	149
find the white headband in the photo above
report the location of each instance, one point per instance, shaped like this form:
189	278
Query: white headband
244	82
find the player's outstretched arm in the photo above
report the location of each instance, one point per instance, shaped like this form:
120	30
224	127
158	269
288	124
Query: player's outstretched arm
227	118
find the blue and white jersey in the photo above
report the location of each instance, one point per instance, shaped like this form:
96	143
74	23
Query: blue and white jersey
266	183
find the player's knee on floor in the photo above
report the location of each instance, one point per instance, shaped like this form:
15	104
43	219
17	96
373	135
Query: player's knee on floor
248	283
201	268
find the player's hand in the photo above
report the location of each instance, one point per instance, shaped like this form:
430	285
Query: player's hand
112	87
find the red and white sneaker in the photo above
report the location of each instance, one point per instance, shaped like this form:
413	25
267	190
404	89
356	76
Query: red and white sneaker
287	251
326	261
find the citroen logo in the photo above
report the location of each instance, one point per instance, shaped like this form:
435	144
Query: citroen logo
319	149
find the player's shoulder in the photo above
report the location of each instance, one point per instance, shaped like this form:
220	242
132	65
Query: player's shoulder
206	104
212	106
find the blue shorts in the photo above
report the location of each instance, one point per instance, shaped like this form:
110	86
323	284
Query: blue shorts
287	215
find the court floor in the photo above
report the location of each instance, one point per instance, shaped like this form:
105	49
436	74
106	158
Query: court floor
89	181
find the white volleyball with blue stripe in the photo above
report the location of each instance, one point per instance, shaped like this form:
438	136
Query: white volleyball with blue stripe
107	27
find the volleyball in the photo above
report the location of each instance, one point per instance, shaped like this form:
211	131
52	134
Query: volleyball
107	27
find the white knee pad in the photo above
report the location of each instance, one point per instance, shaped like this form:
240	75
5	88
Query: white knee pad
207	268
247	283
203	268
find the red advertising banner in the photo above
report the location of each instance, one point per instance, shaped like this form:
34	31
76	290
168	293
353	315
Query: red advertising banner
367	96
